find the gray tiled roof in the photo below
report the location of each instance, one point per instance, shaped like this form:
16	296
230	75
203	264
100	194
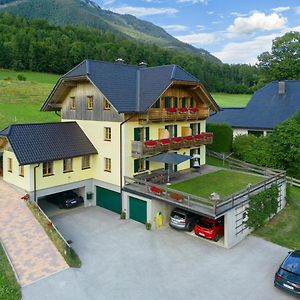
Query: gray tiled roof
130	88
266	109
37	143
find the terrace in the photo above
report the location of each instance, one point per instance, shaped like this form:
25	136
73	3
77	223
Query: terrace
211	193
150	147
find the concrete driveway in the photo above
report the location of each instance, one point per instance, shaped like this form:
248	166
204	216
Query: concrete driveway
121	260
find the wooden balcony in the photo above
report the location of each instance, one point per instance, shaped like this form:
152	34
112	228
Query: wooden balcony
173	114
140	149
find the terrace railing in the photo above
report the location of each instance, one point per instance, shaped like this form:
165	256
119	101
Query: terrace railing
208	207
140	149
174	114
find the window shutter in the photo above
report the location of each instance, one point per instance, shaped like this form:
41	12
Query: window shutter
147	164
175	102
136	134
157	104
167	102
166	166
199	128
183	102
136	165
175	131
191	160
147	133
191	102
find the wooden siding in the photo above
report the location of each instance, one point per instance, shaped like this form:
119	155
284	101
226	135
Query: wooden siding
81	112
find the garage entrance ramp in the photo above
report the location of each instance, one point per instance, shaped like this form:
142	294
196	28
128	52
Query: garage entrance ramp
30	250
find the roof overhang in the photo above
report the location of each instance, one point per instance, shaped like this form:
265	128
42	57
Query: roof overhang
60	90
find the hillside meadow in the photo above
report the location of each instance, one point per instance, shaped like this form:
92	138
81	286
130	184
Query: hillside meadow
20	101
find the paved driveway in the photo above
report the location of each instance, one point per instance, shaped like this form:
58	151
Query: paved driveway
32	253
121	260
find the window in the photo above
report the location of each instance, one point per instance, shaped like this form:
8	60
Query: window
68	165
256	132
9	165
106	105
141	134
157	104
107	164
72	103
85	162
90	102
107	133
48	168
21	171
140	165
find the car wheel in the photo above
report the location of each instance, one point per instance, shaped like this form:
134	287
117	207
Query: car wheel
190	227
217	237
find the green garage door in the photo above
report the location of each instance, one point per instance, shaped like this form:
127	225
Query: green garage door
108	199
138	210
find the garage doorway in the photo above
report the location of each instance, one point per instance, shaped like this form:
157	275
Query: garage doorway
108	199
138	210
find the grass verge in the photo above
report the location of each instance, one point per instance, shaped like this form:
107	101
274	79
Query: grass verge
284	228
223	182
212	161
70	256
9	287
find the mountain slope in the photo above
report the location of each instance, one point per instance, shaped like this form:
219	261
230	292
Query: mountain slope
88	13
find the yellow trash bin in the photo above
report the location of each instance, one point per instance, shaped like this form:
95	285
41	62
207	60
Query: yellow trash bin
159	219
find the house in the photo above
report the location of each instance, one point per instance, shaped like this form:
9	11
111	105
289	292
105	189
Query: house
116	121
113	117
268	107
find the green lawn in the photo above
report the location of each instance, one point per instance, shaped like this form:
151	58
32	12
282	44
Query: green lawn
223	182
284	228
212	161
9	287
20	101
231	100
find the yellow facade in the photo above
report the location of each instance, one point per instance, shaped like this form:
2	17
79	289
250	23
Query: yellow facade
14	177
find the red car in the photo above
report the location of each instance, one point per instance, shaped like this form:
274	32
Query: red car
210	228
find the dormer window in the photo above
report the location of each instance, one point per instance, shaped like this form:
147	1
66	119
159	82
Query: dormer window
90	102
73	103
106	105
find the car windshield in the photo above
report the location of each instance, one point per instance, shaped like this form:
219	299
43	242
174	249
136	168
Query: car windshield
289	276
292	264
177	215
205	224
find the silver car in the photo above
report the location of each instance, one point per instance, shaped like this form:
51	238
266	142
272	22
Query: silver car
182	219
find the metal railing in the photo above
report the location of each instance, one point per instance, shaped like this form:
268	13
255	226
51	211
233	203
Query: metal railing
209	207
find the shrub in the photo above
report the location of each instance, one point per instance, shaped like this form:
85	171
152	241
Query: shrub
243	147
21	77
223	135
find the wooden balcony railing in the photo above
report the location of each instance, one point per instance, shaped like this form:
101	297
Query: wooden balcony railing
140	149
174	114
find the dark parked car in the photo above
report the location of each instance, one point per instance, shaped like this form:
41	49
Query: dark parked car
182	219
288	275
209	228
66	199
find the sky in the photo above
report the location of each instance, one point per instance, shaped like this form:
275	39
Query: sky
235	31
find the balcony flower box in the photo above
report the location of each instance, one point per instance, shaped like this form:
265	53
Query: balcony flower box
150	144
177	140
188	138
183	110
172	110
209	135
155	190
165	141
176	197
199	136
194	110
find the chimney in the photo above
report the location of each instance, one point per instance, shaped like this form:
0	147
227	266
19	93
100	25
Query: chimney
143	64
120	61
281	87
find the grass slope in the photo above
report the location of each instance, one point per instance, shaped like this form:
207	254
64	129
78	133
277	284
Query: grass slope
284	228
223	182
9	287
20	101
231	100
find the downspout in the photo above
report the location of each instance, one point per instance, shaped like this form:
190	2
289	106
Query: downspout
34	181
121	154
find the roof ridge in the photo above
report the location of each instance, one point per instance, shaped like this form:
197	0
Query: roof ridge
44	123
84	61
113	63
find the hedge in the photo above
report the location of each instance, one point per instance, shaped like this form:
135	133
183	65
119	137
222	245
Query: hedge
223	135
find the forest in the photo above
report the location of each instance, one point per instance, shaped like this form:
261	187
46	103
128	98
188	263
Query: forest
36	45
